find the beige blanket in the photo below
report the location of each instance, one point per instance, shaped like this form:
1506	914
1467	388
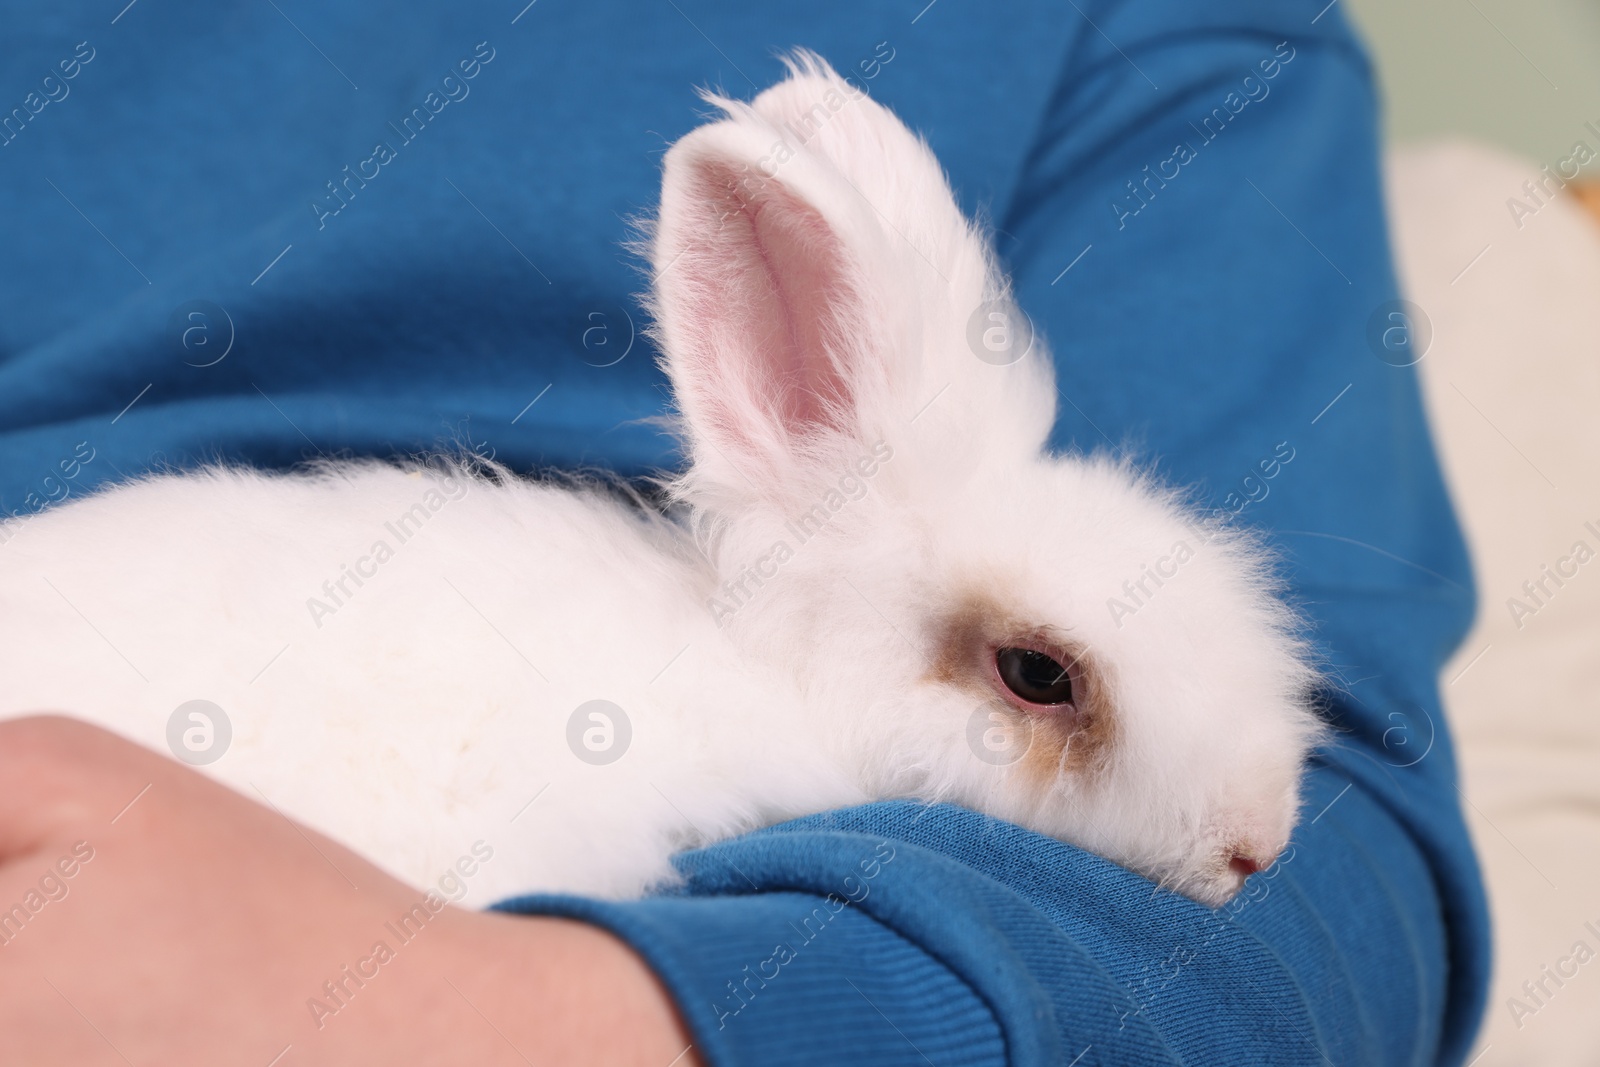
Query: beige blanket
1509	275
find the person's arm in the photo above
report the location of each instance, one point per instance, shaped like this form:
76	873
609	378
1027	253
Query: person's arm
150	915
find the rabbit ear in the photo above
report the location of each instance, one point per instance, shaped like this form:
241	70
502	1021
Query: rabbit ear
887	164
814	291
762	303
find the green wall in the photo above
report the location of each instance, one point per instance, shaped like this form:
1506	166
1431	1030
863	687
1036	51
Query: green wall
1525	76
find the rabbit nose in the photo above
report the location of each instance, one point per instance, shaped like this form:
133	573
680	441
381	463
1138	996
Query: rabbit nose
1245	865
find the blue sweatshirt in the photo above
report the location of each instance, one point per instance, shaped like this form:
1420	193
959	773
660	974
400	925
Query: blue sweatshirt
264	232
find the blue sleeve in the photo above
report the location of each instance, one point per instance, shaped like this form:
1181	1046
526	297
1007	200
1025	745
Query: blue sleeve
933	934
1187	197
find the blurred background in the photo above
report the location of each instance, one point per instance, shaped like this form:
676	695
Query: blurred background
1490	107
1521	74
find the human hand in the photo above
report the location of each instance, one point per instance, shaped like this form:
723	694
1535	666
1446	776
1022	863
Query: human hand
151	915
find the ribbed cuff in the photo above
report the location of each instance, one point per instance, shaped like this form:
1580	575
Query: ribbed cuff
793	978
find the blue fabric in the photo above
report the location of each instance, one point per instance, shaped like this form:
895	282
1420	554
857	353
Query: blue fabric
186	187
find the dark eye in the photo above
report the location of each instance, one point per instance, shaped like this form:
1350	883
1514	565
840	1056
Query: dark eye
1034	676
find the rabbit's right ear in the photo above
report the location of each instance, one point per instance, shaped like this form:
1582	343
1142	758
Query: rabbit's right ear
772	327
817	290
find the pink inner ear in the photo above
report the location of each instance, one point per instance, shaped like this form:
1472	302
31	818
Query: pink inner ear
773	308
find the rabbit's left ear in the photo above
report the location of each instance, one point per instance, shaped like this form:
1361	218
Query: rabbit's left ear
768	306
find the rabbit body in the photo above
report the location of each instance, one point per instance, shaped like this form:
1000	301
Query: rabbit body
428	711
869	551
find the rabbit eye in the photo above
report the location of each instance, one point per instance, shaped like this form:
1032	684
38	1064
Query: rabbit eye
1034	676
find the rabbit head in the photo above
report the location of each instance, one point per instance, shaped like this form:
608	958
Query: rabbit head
963	616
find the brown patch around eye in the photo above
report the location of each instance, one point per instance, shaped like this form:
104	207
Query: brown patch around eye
965	642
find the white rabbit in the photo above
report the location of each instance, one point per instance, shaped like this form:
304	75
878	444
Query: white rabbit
866	585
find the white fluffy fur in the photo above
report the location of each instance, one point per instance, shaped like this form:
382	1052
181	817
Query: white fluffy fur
428	710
